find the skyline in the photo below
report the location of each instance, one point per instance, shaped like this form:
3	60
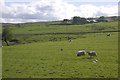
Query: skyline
50	10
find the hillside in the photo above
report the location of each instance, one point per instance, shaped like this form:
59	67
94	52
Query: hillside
49	27
46	60
48	50
34	32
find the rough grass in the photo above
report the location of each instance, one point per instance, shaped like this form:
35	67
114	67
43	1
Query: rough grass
45	38
46	60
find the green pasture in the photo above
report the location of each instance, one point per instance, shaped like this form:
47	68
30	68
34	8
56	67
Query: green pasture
46	60
37	28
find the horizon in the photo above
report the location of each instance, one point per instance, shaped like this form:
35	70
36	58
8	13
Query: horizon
17	11
47	21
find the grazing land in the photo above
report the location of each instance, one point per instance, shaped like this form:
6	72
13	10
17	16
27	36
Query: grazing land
40	56
40	28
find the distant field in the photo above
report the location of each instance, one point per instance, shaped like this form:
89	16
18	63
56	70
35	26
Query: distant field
36	28
46	60
29	32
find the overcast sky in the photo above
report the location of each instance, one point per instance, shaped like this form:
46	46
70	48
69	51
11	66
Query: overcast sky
15	11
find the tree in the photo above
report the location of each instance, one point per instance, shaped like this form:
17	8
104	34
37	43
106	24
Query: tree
101	19
79	20
6	35
83	20
66	21
76	20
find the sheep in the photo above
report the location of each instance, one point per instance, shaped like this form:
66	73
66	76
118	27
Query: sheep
108	34
92	53
70	40
94	61
81	53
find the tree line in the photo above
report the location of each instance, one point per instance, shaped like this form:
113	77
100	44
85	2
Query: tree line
82	20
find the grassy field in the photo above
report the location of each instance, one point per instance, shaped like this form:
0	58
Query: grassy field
37	28
26	33
46	60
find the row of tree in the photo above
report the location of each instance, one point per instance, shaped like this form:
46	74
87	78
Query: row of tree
81	20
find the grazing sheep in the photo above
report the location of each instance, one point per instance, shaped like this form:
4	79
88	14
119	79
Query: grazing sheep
108	34
94	61
70	40
81	53
92	54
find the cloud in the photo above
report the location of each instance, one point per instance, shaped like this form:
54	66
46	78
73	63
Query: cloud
96	11
1	6
48	10
109	10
